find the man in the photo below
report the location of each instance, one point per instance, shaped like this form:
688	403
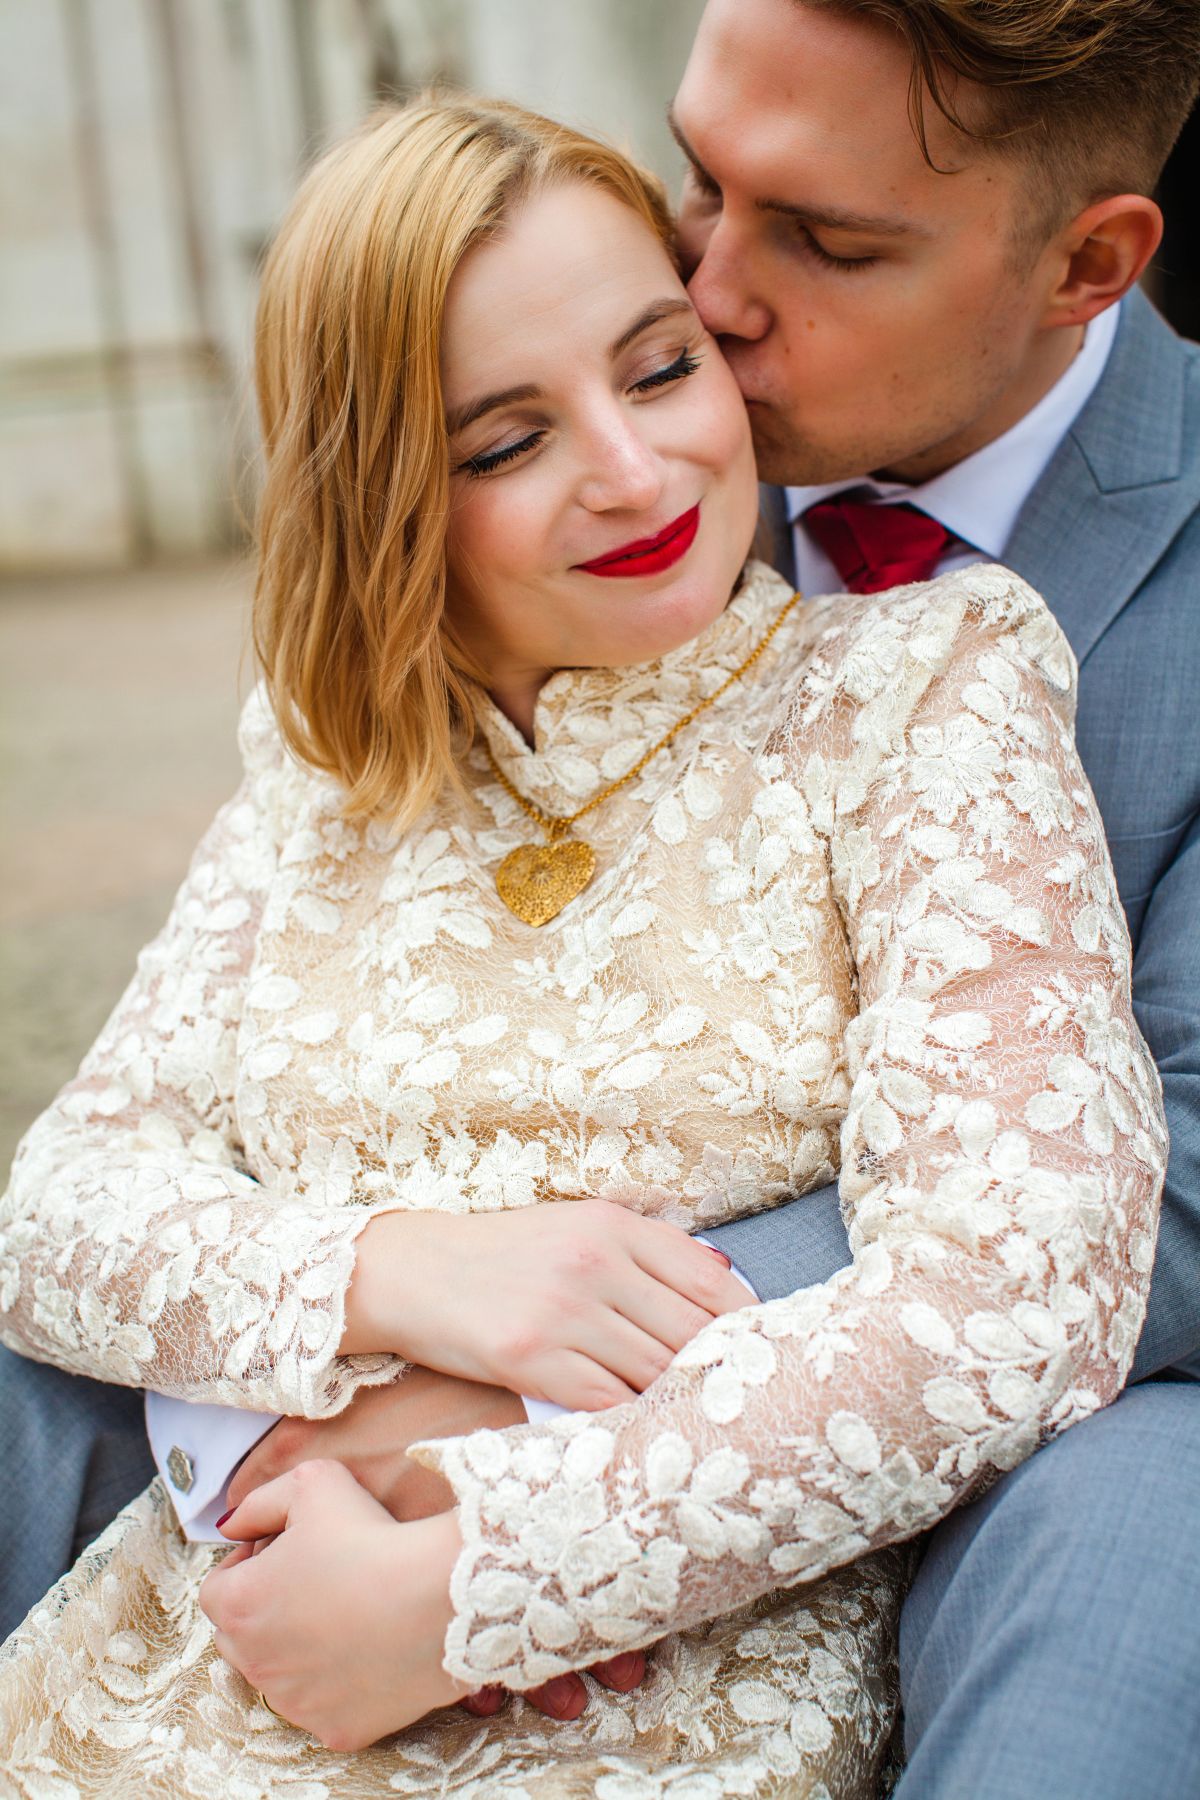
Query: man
915	229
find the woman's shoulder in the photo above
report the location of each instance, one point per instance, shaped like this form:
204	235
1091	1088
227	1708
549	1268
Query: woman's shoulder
284	787
259	738
935	624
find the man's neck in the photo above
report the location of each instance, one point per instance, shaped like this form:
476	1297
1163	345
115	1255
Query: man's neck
1052	354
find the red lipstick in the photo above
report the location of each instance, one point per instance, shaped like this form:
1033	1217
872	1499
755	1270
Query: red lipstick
649	556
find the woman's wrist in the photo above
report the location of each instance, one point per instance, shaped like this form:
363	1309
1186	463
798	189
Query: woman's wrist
379	1301
423	1555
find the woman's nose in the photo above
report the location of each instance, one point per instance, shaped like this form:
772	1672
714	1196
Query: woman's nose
721	287
622	470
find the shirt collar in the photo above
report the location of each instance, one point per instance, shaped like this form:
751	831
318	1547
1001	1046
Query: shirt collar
980	497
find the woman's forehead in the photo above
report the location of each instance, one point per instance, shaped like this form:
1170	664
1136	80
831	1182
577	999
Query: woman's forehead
566	273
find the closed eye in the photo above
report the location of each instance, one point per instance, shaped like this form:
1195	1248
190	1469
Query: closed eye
703	182
487	460
811	247
685	364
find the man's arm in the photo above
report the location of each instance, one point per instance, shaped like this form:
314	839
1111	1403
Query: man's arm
797	1245
1166	1000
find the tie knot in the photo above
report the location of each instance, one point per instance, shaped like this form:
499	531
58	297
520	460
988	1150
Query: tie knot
874	546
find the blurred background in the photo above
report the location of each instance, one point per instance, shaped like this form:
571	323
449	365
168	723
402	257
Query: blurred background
147	149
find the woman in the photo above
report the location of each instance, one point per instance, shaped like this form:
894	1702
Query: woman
820	881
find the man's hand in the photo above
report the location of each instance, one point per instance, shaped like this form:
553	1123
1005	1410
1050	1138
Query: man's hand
371	1439
372	1436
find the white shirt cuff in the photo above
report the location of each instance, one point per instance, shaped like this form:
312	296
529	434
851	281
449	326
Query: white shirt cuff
538	1411
197	1448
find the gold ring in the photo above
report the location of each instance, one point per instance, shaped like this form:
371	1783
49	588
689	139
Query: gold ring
275	1714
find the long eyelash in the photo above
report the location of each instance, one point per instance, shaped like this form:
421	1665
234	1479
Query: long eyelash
685	364
829	260
495	459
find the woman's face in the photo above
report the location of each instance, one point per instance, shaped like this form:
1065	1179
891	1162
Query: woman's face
588	412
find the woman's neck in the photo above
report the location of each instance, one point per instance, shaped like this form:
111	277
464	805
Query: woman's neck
517	700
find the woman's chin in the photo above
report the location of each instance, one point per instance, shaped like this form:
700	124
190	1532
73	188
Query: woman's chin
662	618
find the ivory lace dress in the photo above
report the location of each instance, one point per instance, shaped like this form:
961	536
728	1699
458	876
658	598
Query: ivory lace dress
858	917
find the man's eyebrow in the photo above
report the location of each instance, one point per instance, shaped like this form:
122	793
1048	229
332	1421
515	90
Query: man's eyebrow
831	217
835	218
677	132
475	409
659	309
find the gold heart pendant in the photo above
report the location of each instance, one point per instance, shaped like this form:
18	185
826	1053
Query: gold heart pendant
538	880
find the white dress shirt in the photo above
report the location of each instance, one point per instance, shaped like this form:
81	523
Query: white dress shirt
197	1447
978	500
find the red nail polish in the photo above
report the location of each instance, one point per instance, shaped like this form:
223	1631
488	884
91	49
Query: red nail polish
226	1515
720	1253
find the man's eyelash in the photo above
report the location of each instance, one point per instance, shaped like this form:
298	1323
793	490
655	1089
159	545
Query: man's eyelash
826	257
685	364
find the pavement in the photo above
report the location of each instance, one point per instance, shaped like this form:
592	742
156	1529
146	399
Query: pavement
119	696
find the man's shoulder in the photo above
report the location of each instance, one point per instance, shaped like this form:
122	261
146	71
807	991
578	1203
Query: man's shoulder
1141	426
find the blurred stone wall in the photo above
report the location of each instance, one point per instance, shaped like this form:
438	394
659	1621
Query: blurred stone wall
147	149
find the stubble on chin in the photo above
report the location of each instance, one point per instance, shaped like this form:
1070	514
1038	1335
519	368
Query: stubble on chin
785	457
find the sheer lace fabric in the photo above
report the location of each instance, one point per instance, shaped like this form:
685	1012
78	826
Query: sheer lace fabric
858	915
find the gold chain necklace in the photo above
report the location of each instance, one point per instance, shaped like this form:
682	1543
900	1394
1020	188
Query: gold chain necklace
536	881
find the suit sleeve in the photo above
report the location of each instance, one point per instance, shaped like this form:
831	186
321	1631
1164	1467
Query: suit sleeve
1166	1001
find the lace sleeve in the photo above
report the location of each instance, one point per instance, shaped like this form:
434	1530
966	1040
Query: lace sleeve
133	1245
1003	1152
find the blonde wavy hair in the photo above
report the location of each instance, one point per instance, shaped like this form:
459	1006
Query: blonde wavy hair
366	679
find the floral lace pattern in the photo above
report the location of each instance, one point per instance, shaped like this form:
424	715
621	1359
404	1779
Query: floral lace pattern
793	1698
858	916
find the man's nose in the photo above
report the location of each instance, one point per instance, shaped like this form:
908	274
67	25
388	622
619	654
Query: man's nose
722	289
622	470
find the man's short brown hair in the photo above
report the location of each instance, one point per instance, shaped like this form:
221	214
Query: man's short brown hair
1094	92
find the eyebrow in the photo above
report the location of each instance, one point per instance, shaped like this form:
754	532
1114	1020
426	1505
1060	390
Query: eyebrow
513	396
831	217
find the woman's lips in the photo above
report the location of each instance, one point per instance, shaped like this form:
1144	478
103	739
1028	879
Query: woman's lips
647	556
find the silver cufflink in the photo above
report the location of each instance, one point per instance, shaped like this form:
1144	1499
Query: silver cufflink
179	1468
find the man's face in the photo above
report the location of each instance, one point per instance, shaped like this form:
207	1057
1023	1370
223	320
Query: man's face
874	310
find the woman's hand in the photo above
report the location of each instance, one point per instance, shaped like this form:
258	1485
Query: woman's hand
341	1620
338	1615
578	1301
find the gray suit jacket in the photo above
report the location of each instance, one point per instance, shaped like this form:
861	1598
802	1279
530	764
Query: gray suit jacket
1111	537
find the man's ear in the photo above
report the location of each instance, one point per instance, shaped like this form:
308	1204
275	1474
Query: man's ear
1104	250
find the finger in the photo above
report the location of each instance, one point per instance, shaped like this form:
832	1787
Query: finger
261	1463
214	1590
661	1312
484	1702
615	1343
264	1512
692	1269
225	1647
578	1382
563	1698
239	1554
621	1673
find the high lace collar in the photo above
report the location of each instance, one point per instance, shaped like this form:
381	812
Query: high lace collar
590	726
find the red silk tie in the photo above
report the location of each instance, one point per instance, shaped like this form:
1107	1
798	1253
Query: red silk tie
873	546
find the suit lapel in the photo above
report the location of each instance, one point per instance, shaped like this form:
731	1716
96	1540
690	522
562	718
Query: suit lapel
1120	486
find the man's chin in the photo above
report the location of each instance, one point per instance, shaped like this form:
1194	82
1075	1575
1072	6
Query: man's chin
784	457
